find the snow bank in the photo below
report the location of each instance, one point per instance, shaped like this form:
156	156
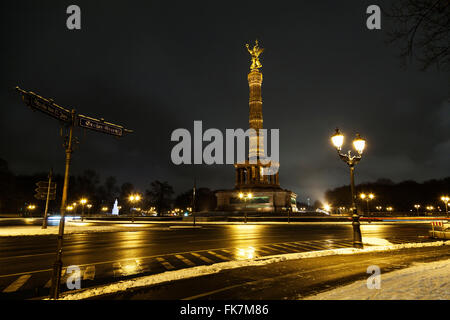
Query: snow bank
215	268
424	281
69	228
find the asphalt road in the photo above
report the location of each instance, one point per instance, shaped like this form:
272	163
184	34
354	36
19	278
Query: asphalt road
287	280
25	262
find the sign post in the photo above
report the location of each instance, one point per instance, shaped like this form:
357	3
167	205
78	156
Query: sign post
71	119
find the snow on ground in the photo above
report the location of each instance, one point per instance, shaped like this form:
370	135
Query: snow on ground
217	267
70	227
421	281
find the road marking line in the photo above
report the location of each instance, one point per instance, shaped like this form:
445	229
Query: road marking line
293	246
202	258
279	248
219	256
263	251
310	246
186	261
89	273
19	282
165	263
49	282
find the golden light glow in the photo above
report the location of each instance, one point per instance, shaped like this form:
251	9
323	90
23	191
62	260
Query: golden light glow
104	208
83	201
362	195
417	206
359	144
31	207
89	205
249	195
327	207
371	196
337	139
389	209
241	195
134	197
69	208
445	198
247	253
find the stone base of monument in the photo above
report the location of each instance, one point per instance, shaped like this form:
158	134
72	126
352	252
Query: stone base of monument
262	200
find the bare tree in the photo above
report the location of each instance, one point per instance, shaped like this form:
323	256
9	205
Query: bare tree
422	28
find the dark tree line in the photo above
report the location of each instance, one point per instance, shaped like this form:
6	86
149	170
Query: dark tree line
17	192
401	196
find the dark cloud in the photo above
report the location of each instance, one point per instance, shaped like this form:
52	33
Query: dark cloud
157	66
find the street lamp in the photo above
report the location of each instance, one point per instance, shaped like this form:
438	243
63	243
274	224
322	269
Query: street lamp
417	206
368	197
445	199
245	197
83	202
89	208
30	208
133	199
351	160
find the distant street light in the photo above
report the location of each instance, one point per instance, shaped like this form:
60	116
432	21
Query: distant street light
389	209
368	197
133	199
89	208
104	209
445	199
245	197
417	206
83	202
30	208
359	144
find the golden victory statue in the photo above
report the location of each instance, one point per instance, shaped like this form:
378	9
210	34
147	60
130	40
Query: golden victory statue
255	52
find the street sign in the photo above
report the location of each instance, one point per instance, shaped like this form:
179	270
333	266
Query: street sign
44	184
100	125
44	190
46	106
42	196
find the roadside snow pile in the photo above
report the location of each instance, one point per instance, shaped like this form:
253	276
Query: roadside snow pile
424	281
69	228
215	268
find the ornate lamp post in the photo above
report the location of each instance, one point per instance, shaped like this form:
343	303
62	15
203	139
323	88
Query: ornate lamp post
245	197
445	199
351	160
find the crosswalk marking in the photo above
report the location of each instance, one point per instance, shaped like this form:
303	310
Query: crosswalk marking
49	282
89	273
142	266
165	263
19	282
218	255
117	269
263	251
290	245
205	259
309	246
186	261
279	248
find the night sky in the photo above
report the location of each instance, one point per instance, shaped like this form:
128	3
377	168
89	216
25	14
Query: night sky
157	66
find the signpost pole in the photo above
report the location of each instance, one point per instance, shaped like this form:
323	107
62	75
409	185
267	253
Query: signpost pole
44	223
57	266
